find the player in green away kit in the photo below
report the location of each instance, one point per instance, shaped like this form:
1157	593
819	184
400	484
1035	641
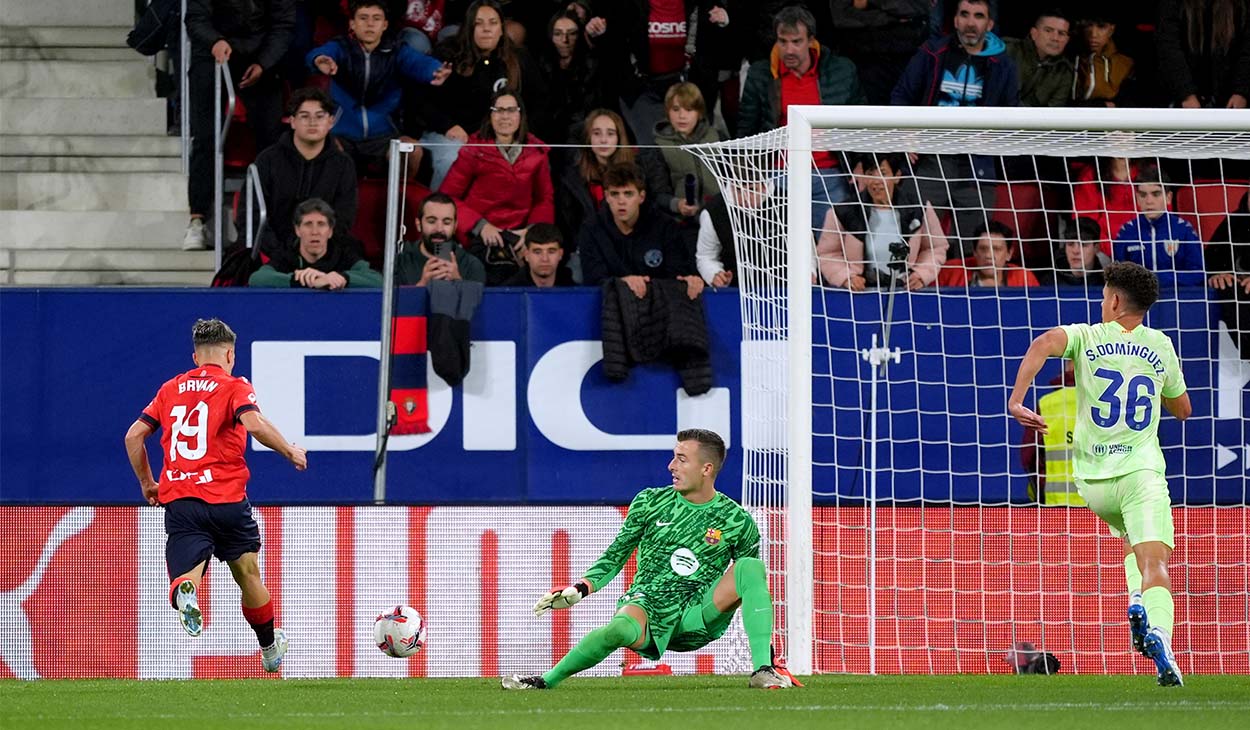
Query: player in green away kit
1123	370
686	590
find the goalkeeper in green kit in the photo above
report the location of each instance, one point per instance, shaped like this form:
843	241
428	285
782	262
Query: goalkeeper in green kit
698	561
1124	370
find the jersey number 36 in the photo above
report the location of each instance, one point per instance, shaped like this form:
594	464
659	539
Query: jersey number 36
1137	404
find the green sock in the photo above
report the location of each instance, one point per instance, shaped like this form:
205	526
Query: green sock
751	581
1133	575
1160	611
594	647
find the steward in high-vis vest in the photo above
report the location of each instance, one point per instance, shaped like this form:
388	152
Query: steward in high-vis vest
1048	458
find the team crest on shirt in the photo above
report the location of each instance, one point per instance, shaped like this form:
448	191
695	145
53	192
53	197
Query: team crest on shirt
1171	247
712	536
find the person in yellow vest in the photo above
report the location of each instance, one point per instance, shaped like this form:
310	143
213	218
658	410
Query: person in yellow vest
1048	457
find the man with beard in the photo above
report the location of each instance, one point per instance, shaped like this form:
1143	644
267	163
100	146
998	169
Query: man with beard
969	68
318	262
436	255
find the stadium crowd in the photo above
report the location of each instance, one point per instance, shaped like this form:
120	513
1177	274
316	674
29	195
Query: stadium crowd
569	115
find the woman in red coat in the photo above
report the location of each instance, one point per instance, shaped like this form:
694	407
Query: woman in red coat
501	181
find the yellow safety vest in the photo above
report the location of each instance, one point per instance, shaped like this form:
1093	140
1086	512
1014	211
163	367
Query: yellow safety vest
1058	408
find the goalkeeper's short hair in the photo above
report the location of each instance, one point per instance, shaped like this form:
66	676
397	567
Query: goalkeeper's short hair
711	446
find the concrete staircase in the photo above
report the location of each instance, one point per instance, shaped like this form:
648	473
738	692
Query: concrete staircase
91	188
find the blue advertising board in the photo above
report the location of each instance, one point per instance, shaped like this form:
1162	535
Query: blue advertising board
536	421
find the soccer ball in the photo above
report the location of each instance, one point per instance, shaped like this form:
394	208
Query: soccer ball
399	631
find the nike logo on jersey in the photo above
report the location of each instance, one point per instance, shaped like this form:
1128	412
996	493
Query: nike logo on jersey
663	524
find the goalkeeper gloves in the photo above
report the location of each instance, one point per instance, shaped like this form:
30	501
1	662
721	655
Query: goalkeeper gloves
562	598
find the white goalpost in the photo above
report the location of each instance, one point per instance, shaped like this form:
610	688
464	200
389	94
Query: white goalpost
901	531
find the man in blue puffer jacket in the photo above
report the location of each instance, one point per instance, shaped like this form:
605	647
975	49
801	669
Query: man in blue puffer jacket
367	71
969	68
1159	240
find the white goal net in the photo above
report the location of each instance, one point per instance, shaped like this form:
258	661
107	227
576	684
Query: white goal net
912	526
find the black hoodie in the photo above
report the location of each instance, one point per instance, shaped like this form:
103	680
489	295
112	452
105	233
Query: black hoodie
654	248
288	179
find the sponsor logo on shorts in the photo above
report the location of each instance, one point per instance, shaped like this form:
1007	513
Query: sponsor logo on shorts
1112	449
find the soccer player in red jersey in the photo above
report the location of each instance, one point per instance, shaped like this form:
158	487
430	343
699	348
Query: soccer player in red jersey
203	486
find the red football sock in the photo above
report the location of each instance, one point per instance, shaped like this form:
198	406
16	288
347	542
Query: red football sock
261	621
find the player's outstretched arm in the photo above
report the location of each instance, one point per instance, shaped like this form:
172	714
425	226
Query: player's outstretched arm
561	598
268	434
1051	343
138	453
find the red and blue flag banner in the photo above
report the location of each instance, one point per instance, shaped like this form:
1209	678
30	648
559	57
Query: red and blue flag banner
408	355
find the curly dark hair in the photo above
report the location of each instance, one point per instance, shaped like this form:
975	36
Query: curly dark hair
208	332
1135	281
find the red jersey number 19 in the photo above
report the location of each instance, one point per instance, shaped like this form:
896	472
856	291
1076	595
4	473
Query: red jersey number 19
188	436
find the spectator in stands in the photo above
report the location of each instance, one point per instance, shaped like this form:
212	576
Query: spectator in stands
1228	262
1045	72
572	76
1204	52
686	183
250	44
436	255
1158	239
305	164
604	142
969	68
369	90
645	53
888	236
716	251
800	71
1103	73
988	265
501	184
880	37
1081	252
633	241
717	33
421	23
318	262
544	252
1103	191
483	59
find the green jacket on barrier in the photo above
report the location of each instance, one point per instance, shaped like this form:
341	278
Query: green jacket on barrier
1043	82
760	109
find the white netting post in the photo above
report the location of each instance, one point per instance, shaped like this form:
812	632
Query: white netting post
799	558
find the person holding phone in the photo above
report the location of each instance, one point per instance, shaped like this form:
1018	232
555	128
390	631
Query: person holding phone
501	183
436	254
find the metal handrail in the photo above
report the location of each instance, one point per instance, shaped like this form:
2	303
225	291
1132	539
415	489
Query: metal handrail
184	91
253	186
221	127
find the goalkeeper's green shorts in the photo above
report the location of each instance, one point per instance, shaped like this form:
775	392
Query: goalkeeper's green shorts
677	628
1137	505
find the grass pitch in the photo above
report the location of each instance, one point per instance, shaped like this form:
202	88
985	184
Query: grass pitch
641	703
